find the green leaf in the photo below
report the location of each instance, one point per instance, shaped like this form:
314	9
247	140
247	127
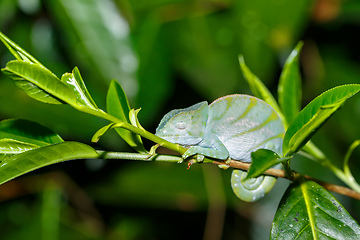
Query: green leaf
258	88
308	211
11	146
39	83
289	89
134	119
19	164
118	106
17	51
4	157
28	132
75	82
263	159
314	115
99	133
303	135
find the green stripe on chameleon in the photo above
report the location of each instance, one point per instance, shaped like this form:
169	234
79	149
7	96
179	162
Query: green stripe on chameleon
190	133
228	106
272	117
219	117
280	135
253	102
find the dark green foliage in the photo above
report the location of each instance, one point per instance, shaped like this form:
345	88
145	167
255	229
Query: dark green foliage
160	48
22	151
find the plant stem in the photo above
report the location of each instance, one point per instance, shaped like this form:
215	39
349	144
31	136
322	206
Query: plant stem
347	179
280	173
310	148
317	155
140	131
232	163
139	156
288	172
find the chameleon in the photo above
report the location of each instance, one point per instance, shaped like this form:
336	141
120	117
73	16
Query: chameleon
231	127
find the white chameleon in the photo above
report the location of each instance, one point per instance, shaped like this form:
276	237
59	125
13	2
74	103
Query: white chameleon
229	128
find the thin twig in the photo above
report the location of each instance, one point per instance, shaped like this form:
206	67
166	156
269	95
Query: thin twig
234	164
280	173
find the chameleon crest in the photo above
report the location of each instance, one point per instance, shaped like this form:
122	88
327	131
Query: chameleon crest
231	127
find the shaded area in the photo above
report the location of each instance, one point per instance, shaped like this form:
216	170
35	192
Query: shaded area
166	55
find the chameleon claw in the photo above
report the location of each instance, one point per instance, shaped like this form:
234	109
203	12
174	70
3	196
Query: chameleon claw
224	166
193	151
200	158
185	155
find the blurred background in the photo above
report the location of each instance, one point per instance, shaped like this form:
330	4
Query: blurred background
167	54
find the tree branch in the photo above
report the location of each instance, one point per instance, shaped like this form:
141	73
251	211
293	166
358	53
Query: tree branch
232	163
280	173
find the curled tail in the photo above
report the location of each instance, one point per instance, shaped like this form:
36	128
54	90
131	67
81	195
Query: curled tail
252	189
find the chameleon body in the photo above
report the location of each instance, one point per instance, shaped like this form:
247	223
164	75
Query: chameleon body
232	126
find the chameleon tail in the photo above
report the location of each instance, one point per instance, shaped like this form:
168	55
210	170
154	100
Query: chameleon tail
253	189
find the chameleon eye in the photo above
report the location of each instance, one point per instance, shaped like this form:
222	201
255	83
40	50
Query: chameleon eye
181	125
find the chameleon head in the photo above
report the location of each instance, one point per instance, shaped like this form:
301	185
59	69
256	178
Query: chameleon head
184	126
